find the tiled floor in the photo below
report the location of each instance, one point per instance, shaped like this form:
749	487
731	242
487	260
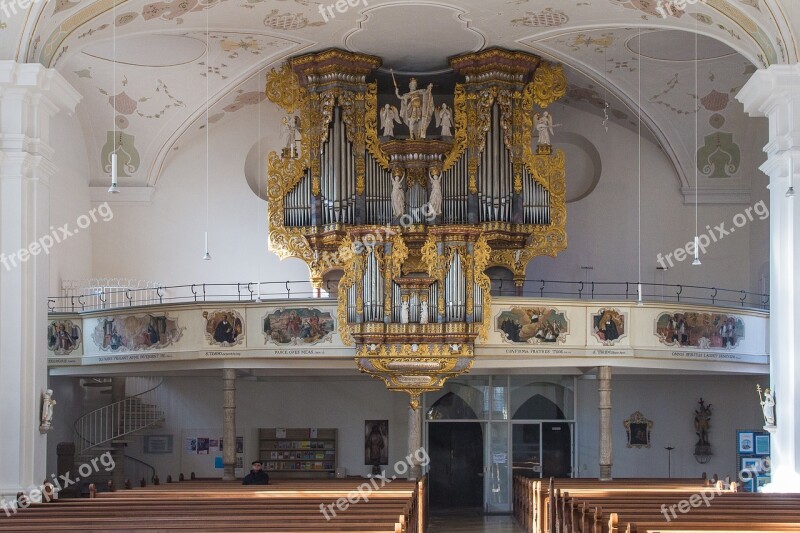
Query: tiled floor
471	521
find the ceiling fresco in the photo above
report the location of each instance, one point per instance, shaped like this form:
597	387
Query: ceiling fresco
156	93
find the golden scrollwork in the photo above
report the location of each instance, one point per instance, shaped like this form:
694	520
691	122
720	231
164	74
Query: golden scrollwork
283	88
371	122
481	254
460	121
549	83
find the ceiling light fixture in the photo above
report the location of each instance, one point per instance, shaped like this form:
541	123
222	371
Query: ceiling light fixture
206	255
114	189
696	261
639	97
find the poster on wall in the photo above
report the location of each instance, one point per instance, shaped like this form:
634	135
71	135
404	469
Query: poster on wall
158	444
376	445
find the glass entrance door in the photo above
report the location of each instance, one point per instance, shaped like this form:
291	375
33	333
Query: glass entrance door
527	449
542	449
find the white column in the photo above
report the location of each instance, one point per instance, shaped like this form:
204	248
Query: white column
229	423
30	95
604	406
414	439
775	93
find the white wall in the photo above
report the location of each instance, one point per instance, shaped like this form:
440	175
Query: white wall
345	404
163	241
69	199
670	402
603	228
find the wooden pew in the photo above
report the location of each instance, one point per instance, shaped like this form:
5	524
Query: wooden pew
289	506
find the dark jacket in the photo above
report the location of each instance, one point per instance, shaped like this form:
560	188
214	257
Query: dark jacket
256	478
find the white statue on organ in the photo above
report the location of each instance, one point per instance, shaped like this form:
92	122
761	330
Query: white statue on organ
404	315
398	196
435	199
544	126
444	120
389	115
423	311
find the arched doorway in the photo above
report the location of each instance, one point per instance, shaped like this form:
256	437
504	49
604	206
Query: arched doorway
456	454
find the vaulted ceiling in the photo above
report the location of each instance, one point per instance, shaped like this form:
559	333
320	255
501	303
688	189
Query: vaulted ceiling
618	53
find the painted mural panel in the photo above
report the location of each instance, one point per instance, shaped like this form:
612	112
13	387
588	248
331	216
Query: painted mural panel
132	333
700	330
608	326
298	325
533	325
224	328
63	337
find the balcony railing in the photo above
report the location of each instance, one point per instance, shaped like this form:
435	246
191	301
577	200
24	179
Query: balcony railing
531	288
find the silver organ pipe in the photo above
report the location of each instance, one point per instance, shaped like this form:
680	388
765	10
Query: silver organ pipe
433	303
416	197
396	303
477	295
455	292
536	200
373	288
378	191
495	174
297	204
352	311
455	192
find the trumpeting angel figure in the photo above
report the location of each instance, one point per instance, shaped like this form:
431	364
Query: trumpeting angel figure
389	116
544	127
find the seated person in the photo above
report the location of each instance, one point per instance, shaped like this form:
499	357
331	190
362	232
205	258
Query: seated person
257	475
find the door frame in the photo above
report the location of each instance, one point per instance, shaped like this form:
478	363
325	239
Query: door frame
488	428
573	439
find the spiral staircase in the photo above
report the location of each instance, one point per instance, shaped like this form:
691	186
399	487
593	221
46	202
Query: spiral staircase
135	406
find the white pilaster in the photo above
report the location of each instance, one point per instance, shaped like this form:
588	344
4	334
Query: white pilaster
775	93
30	95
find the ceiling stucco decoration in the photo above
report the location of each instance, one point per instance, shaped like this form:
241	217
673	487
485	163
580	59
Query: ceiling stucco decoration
415	34
417	41
673	45
147	50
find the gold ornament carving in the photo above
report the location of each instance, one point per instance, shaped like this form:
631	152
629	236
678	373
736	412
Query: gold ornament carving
549	83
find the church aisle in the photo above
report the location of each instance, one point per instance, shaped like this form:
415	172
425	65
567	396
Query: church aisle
471	521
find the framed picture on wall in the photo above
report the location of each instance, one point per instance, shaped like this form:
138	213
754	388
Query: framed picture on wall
158	444
761	481
376	442
762	444
751	464
638	428
746	442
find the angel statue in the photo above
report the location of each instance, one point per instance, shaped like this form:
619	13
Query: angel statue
398	196
423	310
767	405
416	108
290	128
47	410
389	115
444	120
404	314
435	199
544	127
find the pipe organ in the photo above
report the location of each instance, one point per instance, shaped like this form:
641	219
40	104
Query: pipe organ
414	219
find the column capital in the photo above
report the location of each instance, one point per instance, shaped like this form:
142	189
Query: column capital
39	80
